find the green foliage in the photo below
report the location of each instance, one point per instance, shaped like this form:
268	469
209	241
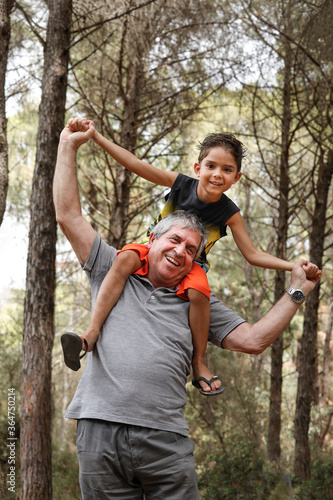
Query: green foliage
238	473
11	327
65	475
240	411
22	131
4	466
243	472
320	486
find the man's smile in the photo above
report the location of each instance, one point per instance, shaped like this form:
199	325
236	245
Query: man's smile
172	260
171	255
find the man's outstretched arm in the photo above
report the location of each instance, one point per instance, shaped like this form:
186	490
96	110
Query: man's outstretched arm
254	339
66	192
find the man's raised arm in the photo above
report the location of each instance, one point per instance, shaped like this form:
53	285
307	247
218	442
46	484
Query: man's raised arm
66	192
254	339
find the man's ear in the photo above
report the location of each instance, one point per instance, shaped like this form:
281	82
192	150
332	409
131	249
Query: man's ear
238	176
151	239
197	169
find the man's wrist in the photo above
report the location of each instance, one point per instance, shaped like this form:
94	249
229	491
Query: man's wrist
296	294
66	146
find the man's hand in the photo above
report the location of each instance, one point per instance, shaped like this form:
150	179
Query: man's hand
78	131
305	276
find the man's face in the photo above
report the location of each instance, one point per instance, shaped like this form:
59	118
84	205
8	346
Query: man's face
171	256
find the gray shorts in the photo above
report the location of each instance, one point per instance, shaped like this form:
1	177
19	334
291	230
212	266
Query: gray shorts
126	462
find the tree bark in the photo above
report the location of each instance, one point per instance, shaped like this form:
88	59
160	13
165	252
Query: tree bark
36	474
6	7
327	352
274	425
120	201
307	388
130	91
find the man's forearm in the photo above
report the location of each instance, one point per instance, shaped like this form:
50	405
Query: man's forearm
254	339
67	201
65	186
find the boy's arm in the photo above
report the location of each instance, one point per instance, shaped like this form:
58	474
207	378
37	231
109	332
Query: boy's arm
258	258
131	162
112	286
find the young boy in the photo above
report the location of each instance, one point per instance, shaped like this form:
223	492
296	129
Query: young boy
217	169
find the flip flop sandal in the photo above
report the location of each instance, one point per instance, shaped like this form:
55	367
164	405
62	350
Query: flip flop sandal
195	382
72	346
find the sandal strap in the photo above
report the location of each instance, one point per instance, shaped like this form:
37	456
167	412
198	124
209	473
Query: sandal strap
86	346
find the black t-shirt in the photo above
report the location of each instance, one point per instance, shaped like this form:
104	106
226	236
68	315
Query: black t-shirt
183	196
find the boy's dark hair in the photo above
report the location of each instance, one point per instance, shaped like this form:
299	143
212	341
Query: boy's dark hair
225	141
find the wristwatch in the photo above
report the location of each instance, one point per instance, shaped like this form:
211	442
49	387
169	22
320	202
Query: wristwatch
296	294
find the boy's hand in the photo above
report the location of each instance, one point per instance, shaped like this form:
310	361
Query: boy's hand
78	131
311	270
301	279
79	124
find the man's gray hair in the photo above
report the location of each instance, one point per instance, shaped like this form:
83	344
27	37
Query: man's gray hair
187	221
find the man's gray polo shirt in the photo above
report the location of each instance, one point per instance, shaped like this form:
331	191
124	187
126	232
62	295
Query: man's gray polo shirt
138	370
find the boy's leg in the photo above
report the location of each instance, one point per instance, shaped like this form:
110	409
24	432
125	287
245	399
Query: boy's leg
126	263
199	317
111	288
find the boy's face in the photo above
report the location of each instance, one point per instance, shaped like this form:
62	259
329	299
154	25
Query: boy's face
217	173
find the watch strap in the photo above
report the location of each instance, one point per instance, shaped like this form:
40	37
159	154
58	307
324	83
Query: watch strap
291	291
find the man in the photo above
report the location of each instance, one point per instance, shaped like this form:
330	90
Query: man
132	436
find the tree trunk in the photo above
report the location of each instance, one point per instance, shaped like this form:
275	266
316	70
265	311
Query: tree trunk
128	138
324	420
38	332
5	11
307	388
326	361
274	425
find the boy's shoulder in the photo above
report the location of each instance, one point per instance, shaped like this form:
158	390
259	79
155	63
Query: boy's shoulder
182	184
183	178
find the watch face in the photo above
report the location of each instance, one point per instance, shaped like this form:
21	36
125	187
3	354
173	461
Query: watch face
298	296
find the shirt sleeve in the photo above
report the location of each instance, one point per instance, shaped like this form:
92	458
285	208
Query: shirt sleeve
222	321
99	260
